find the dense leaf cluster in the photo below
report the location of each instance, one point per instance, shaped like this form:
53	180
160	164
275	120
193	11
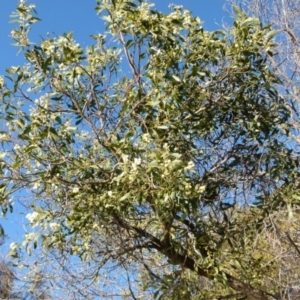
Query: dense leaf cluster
150	145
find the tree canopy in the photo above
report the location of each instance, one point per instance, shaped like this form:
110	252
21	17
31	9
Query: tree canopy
161	149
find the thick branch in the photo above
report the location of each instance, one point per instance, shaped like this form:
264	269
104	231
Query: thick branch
187	262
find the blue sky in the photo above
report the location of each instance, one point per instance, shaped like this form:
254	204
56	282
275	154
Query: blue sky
60	16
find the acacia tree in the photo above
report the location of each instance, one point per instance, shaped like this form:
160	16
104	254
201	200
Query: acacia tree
137	151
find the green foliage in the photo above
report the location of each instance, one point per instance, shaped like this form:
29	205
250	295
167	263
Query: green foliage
142	145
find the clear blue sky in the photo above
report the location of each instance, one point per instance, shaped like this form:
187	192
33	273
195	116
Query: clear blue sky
59	16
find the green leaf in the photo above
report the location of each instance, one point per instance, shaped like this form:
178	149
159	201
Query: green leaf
270	35
129	44
176	168
176	78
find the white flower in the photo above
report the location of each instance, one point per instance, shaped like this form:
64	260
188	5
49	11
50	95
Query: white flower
137	161
95	226
4	137
70	128
30	236
200	188
190	166
54	226
32	217
1	81
146	137
75	190
87	246
36	186
17	147
61	66
125	158
13	246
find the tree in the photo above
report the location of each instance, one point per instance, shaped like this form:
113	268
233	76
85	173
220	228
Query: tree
14	288
6	273
278	246
143	151
284	17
